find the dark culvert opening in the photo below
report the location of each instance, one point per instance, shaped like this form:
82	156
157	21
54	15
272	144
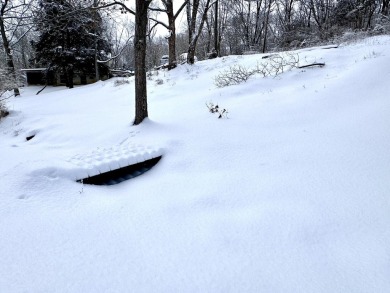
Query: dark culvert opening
119	175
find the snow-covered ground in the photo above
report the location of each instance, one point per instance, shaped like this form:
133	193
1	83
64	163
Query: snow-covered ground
291	193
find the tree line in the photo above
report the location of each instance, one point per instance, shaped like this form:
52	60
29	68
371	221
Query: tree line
89	36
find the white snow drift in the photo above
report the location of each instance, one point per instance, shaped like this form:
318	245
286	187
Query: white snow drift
291	193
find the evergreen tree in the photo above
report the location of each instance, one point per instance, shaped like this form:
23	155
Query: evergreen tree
69	37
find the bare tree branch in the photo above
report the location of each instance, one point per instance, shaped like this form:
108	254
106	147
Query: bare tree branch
113	4
159	22
117	55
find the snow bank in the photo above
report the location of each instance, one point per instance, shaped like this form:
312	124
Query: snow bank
290	194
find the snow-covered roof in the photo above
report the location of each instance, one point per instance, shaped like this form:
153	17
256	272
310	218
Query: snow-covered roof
33	69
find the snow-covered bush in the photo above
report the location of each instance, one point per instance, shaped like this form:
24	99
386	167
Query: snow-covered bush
120	82
6	82
3	108
351	36
6	85
382	25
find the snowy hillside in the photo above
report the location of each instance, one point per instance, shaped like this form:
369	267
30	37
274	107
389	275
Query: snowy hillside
290	193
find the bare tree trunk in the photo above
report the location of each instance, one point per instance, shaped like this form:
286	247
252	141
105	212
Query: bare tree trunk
172	34
209	35
172	48
193	33
189	18
385	7
141	22
69	73
266	26
257	34
171	27
97	76
10	63
216	35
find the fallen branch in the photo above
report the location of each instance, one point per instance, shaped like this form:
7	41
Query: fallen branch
268	56
313	64
46	75
331	47
41	89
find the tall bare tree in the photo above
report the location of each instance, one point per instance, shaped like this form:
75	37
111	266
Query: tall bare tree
194	8
141	24
13	14
171	27
216	30
385	7
266	24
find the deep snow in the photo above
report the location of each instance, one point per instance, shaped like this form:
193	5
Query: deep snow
291	193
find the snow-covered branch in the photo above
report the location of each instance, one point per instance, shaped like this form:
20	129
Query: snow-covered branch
127	9
118	54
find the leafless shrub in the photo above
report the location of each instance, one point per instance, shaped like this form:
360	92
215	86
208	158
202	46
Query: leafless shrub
275	65
372	54
152	73
159	81
235	74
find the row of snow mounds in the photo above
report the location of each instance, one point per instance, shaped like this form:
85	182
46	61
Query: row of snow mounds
103	160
